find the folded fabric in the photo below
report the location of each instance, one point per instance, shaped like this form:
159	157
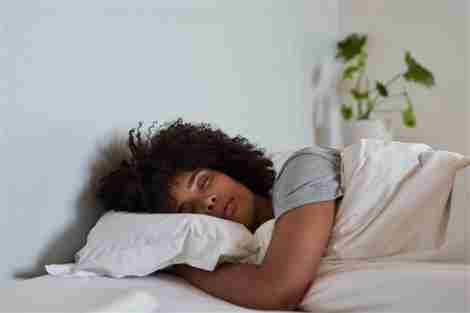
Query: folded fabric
67	270
129	244
397	200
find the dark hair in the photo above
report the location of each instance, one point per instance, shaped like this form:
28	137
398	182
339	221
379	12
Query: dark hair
142	183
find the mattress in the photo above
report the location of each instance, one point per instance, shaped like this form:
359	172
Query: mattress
156	293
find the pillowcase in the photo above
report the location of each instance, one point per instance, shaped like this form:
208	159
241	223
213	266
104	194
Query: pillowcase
397	200
134	244
262	238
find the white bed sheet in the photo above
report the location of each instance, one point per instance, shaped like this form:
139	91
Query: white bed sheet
102	294
385	287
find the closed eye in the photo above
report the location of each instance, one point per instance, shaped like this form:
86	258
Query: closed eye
203	182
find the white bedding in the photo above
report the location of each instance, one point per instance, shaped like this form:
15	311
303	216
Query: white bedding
378	287
157	293
369	265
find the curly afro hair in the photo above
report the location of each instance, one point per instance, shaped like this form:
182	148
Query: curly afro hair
141	184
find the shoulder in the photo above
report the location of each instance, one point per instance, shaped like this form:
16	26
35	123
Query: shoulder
311	174
310	157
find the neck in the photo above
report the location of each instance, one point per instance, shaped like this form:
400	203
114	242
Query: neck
264	211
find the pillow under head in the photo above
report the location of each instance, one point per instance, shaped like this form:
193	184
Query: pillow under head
134	244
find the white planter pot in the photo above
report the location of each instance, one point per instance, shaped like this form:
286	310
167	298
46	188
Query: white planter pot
354	131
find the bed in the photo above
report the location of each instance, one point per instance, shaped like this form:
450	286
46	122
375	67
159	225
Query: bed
401	249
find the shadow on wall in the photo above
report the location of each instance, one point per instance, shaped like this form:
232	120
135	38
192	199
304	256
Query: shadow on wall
109	154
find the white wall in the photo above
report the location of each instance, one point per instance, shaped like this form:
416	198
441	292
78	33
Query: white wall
437	34
467	212
71	71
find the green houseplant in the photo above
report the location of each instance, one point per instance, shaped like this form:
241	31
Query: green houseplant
365	99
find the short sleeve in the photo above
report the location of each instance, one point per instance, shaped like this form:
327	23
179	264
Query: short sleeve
310	175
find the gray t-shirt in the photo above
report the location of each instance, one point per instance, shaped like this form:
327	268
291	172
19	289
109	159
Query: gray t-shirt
309	175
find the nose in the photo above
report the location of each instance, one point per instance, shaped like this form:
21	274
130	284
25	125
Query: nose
209	203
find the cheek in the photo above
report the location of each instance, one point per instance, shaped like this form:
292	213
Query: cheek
246	203
244	198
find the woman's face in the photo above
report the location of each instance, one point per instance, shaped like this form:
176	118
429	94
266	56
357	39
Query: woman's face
206	191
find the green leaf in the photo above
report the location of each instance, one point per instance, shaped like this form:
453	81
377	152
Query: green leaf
408	116
417	73
357	95
349	72
382	89
346	111
351	46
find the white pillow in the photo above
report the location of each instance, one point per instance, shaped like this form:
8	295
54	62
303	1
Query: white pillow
133	244
263	238
397	200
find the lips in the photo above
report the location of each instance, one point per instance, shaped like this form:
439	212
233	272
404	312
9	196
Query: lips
229	208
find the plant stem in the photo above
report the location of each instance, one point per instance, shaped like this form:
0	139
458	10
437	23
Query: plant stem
389	110
393	79
374	101
358	84
391	96
387	84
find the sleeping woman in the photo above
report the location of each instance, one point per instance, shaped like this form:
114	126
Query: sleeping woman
193	168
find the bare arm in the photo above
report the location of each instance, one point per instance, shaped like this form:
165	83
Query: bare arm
299	239
241	284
